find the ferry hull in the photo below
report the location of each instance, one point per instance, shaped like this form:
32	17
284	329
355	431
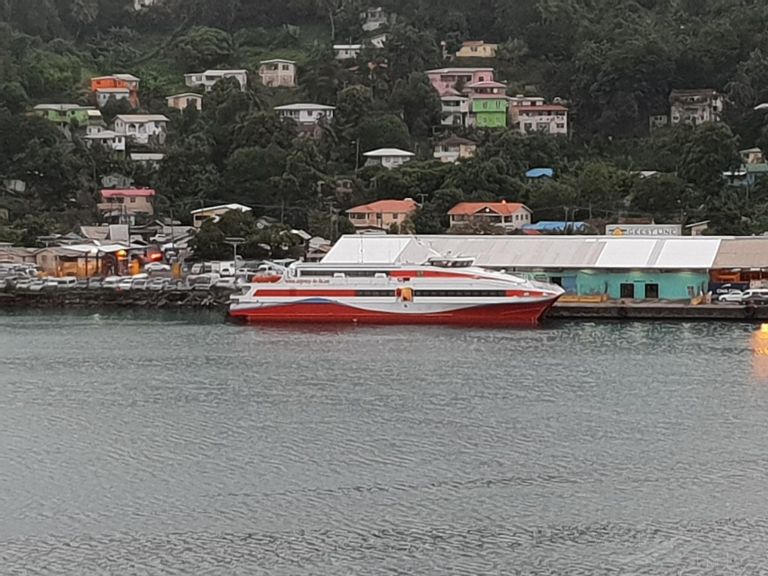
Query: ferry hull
498	315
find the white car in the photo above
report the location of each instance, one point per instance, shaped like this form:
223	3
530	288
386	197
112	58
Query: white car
157	267
229	282
734	296
125	283
111	282
66	282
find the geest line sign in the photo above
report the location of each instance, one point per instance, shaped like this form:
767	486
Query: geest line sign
644	230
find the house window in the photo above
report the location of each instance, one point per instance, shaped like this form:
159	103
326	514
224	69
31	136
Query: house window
528	126
133	200
395	216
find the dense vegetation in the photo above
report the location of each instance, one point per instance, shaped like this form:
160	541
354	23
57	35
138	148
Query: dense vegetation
613	61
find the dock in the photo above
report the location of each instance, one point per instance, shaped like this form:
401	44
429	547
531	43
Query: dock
617	310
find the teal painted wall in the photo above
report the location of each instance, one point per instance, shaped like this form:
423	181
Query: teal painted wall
672	285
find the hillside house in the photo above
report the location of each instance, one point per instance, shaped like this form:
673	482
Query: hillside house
124	206
185	100
374	18
106	85
454	148
104	95
488	103
477	49
378	40
151	159
381	215
215	213
306	115
455	109
139	5
142	128
447	80
347	51
532	114
507	215
278	73
64	115
209	78
695	106
388	158
752	156
108	139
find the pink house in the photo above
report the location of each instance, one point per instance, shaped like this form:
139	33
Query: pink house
445	80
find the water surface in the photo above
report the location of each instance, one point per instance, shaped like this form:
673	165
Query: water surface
179	444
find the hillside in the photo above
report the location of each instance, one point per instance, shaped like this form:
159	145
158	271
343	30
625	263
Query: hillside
613	63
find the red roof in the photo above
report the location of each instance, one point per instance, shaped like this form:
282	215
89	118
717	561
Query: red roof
542	107
128	193
392	206
471	208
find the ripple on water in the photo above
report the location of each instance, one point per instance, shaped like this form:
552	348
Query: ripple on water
181	444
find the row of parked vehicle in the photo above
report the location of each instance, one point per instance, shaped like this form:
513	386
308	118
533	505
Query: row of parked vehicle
755	296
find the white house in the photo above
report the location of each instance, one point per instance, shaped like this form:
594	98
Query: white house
104	95
695	106
456	109
374	18
347	51
208	78
306	113
142	128
108	139
152	159
141	4
532	114
387	157
278	73
378	40
185	100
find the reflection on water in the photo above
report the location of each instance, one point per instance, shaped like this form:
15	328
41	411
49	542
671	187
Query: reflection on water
181	444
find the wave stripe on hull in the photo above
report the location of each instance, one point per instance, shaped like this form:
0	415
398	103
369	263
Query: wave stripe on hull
519	314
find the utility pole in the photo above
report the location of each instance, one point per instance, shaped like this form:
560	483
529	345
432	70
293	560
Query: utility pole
357	155
234	242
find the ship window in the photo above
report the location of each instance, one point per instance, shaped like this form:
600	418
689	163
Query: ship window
461	293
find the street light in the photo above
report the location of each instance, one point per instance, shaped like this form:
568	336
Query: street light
234	241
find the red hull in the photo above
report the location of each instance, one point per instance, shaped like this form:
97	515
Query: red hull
330	313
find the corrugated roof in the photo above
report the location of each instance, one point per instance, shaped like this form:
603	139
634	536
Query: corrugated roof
531	252
394	206
742	253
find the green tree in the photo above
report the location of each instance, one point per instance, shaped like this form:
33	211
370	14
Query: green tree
202	48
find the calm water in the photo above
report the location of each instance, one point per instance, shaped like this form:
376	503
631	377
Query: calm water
148	444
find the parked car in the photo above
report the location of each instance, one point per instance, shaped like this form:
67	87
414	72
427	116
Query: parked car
65	282
22	283
139	284
37	285
755	296
205	281
177	285
158	284
229	282
82	283
125	283
95	283
111	282
157	267
734	297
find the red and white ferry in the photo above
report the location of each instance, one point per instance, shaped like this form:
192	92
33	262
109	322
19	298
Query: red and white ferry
441	291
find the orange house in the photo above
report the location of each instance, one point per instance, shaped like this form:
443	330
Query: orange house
382	214
124	81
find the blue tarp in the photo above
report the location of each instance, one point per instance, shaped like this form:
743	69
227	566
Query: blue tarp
555	226
540	173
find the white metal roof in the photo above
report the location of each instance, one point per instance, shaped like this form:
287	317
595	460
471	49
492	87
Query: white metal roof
347	46
142	118
276	60
305	106
239	207
185	95
381	152
598	252
368	249
61	107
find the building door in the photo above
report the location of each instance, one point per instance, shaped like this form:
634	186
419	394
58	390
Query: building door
627	290
652	291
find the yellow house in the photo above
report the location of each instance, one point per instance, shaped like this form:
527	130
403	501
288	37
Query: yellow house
477	49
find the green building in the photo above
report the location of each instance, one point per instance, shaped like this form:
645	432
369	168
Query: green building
489	104
64	115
